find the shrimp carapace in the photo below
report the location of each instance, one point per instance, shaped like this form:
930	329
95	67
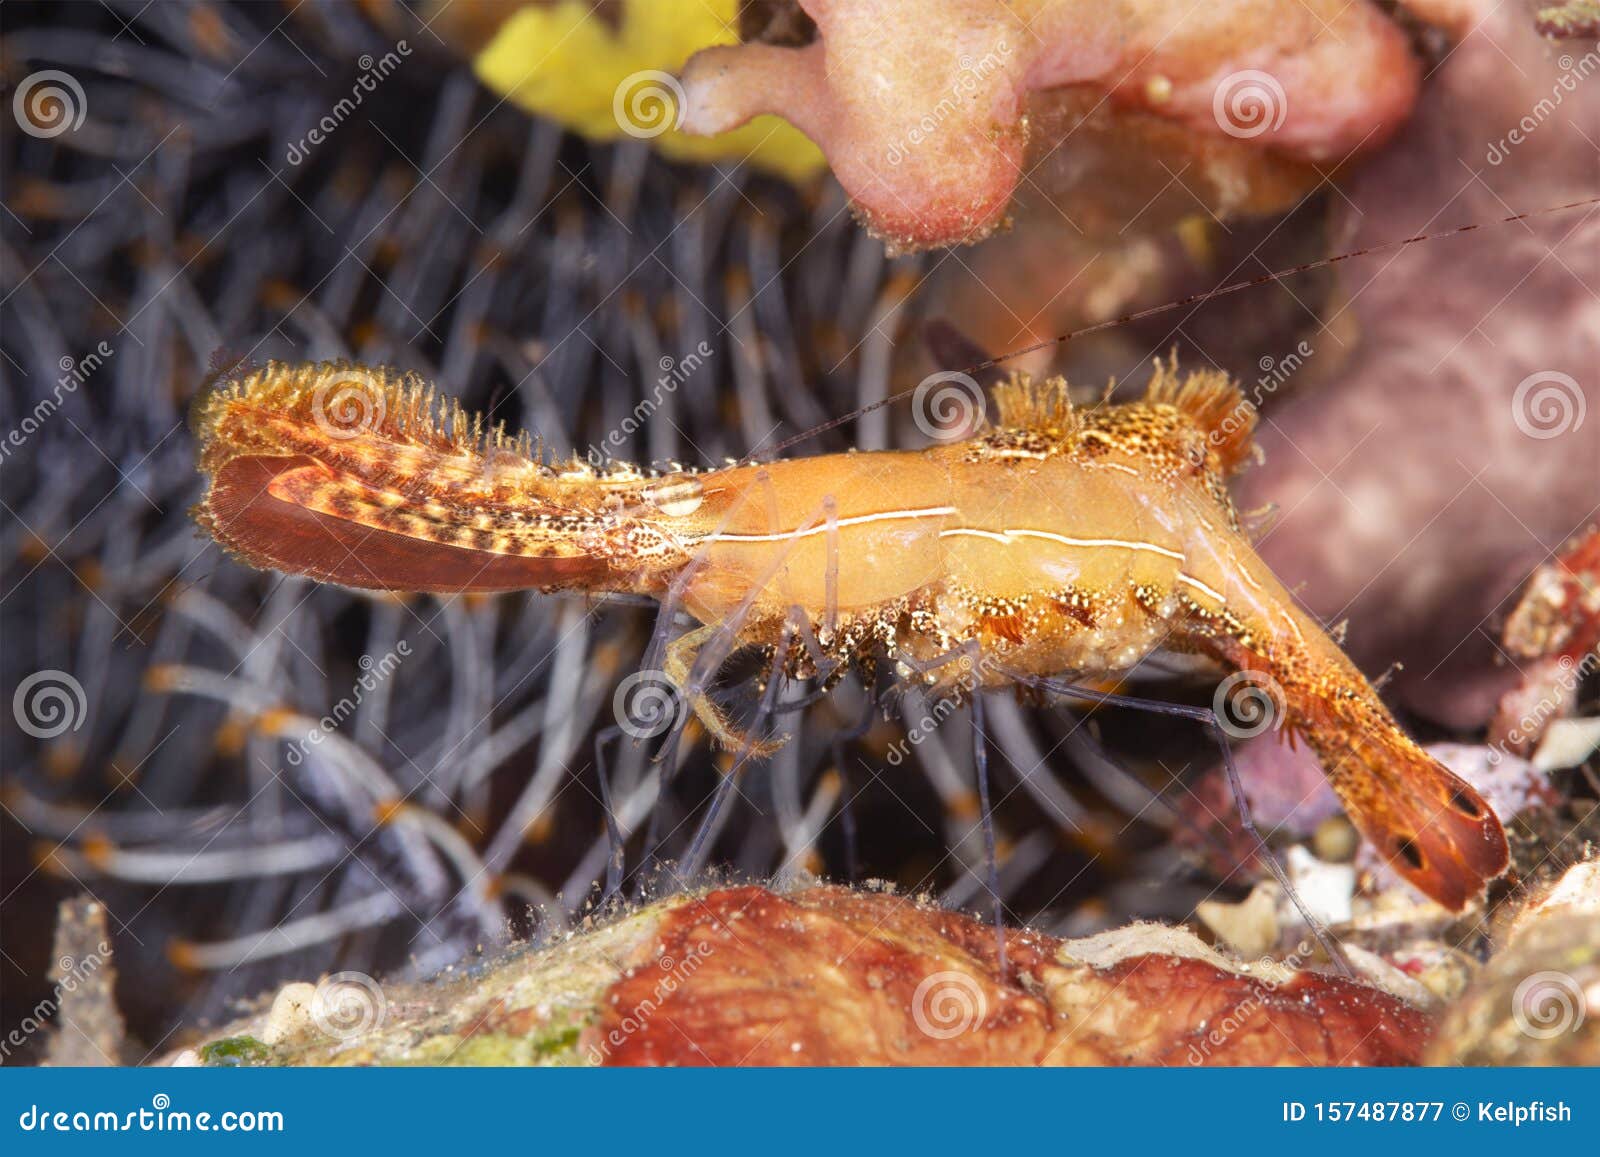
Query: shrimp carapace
1059	541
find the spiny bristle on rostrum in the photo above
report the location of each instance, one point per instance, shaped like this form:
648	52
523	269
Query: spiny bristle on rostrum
347	399
350	399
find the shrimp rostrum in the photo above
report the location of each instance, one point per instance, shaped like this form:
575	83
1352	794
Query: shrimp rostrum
1059	541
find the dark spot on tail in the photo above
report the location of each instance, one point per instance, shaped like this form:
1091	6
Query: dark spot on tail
1408	851
1467	804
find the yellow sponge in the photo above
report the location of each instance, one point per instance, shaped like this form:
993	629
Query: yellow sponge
612	77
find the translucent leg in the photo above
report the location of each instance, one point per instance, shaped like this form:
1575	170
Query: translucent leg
1208	717
691	661
847	815
700	845
980	759
616	860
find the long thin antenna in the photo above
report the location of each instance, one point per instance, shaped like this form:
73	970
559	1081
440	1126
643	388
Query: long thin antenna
1192	299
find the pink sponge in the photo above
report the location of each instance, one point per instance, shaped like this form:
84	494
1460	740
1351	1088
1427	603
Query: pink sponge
922	109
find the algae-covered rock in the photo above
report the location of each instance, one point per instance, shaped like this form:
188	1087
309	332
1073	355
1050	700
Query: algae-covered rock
1537	1001
836	976
524	1006
823	975
89	1027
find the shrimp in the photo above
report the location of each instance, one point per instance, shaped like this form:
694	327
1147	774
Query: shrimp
1056	541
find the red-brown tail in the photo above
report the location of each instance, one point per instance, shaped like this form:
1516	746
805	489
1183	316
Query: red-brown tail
1430	825
1426	822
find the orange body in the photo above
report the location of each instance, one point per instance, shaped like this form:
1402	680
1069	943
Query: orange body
1059	542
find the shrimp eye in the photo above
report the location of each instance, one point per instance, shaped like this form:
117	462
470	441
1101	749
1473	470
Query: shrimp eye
677	499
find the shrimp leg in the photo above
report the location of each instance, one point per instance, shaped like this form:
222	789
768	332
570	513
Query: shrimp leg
615	860
700	844
685	669
980	761
847	815
1213	725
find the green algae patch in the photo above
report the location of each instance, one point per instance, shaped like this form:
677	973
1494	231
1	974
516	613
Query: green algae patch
235	1052
525	1006
557	1048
